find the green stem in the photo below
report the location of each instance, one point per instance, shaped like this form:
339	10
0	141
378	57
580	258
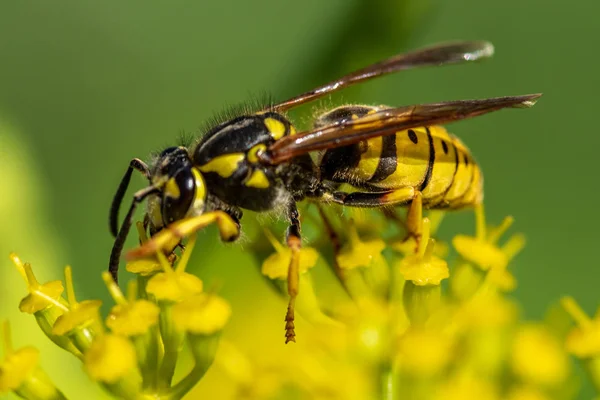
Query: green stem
39	387
204	349
387	383
172	340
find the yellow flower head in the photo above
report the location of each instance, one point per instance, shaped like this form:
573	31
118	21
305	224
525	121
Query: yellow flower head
129	317
465	386
538	357
482	250
423	268
583	340
110	358
40	296
143	266
175	285
526	393
202	314
17	365
486	311
80	315
358	253
424	352
277	264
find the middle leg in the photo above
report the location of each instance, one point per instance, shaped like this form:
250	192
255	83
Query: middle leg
293	240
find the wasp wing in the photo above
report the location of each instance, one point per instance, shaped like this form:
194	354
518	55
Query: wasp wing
440	54
387	122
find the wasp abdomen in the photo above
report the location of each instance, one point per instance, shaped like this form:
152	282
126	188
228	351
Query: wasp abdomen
427	159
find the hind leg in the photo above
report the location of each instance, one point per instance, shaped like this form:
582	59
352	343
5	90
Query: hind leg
399	197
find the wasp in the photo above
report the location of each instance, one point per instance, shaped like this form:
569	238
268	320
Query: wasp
258	161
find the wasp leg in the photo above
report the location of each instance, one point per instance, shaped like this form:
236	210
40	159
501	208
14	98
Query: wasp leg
398	197
229	230
337	246
139	165
115	254
294	242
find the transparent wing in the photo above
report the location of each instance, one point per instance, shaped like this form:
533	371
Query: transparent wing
440	54
387	122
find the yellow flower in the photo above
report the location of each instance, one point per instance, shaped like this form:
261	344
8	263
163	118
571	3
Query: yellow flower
423	268
526	393
482	250
17	366
465	386
424	352
110	358
20	372
80	315
358	253
129	317
202	314
40	297
583	340
277	264
175	285
538	357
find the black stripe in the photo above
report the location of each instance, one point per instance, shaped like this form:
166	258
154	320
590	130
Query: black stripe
456	161
429	171
388	161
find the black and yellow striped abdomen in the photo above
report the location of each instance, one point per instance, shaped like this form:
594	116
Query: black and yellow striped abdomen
428	159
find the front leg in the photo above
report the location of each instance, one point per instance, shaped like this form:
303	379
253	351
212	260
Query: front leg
294	242
229	230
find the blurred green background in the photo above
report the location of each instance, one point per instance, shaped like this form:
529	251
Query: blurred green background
87	85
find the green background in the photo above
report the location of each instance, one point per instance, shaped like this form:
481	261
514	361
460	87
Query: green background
87	85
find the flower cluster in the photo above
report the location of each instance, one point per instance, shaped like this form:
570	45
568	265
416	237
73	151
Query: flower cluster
134	351
410	322
386	314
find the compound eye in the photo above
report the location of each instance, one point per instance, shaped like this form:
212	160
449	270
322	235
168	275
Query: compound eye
178	196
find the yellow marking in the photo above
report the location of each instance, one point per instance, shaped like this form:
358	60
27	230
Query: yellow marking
292	130
224	165
258	179
253	152
444	166
171	189
276	128
372	111
369	160
200	191
399	196
354	117
154	211
412	161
